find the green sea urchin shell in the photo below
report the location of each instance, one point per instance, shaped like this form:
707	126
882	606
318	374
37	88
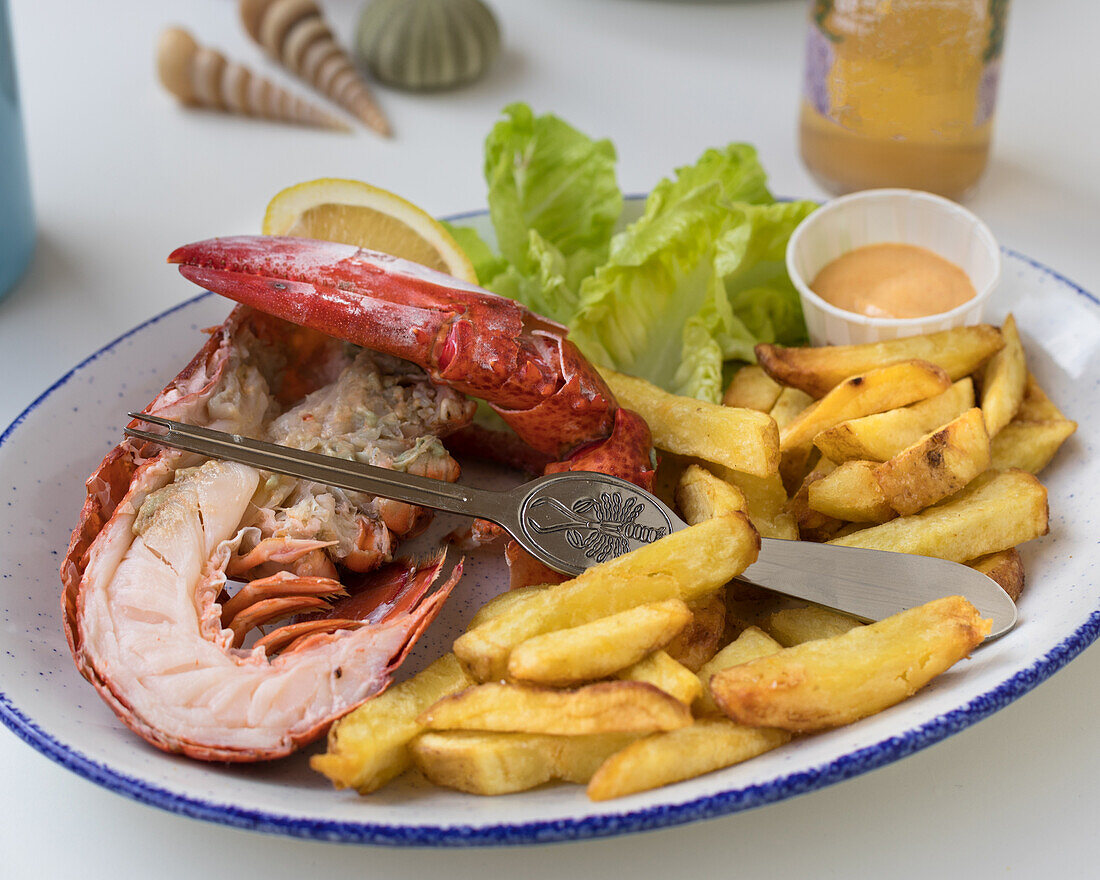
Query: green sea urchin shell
427	44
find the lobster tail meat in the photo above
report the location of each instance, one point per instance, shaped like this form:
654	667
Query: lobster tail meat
146	598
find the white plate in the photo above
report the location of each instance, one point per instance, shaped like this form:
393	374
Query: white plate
46	454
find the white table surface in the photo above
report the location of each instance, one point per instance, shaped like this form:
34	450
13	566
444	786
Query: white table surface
121	175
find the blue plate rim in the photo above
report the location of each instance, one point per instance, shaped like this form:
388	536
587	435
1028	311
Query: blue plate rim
562	830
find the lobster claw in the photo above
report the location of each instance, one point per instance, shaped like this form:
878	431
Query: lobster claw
464	336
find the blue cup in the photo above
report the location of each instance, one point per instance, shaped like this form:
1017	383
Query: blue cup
16	211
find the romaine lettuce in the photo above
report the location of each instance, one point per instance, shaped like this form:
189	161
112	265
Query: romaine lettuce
696	281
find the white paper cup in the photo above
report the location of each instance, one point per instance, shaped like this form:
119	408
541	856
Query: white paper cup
880	216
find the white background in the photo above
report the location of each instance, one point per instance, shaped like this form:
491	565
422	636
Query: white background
122	175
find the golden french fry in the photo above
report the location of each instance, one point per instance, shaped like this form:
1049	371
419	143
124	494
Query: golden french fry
700	495
684	565
599	648
766	500
752	388
829	682
604	707
502	763
813	525
871	392
794	462
500	603
793	626
936	466
1036	406
881	436
670	469
998	510
1005	567
697	642
850	493
741	439
790	404
959	351
1003	380
664	758
661	671
752	643
1029	446
370	746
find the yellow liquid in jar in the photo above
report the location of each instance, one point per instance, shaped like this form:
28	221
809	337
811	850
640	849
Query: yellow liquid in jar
906	96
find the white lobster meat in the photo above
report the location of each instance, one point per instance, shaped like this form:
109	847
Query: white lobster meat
145	575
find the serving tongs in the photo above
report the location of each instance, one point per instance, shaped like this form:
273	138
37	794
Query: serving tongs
573	520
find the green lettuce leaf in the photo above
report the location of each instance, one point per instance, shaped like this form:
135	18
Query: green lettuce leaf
699	279
695	282
546	177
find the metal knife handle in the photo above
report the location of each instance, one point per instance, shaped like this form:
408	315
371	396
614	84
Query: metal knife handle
352	475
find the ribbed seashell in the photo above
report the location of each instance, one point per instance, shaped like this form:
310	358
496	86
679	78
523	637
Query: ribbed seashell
427	44
295	34
203	77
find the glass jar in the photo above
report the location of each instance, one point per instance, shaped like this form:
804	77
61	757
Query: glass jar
900	93
16	214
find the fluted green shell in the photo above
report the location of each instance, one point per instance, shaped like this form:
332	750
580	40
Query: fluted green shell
427	44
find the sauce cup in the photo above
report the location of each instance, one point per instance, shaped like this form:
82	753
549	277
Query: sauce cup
900	216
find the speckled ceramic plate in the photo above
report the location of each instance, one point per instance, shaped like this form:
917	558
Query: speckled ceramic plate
46	702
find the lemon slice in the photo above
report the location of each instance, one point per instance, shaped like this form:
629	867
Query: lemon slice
352	212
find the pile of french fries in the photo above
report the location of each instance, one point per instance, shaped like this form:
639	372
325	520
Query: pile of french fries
657	667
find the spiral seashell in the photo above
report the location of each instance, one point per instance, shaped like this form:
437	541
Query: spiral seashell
203	77
295	34
427	44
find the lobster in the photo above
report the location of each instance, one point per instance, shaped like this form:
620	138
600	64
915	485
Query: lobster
148	614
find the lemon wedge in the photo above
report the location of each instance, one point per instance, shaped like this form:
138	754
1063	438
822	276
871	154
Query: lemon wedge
353	212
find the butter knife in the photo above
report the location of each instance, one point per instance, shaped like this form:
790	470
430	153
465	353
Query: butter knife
573	520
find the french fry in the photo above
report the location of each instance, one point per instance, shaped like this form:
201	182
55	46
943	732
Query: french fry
871	392
1029	446
370	746
502	763
1036	406
599	648
794	462
661	671
752	388
850	493
813	525
700	495
828	682
670	469
881	436
604	707
1005	567
766	500
741	439
1003	380
959	351
790	404
697	642
752	643
684	565
998	510
936	466
500	603
793	626
664	758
